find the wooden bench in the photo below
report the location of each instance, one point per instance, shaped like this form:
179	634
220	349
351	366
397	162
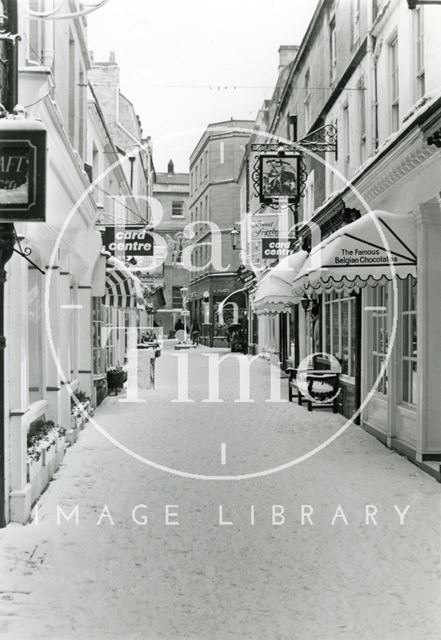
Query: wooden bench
323	387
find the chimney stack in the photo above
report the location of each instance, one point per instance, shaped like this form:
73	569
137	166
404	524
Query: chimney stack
287	53
170	168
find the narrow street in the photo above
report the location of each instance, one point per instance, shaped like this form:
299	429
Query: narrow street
333	577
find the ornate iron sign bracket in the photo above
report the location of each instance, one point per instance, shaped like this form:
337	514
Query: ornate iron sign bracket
279	171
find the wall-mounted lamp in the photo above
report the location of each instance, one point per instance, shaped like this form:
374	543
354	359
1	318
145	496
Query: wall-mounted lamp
234	233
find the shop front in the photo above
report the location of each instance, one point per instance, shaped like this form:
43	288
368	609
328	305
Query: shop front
274	304
364	279
121	308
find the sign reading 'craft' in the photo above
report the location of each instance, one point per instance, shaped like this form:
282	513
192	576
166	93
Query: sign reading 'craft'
276	248
22	170
133	240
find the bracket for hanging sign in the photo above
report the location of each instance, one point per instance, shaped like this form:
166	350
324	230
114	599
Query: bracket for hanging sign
279	170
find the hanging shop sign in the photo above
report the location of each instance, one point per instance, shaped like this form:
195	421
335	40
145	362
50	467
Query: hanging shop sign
246	276
22	170
279	178
277	248
131	240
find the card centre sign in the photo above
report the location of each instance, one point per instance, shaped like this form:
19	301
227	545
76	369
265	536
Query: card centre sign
131	240
276	248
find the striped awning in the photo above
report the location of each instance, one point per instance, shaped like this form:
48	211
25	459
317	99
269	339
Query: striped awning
123	289
374	249
274	292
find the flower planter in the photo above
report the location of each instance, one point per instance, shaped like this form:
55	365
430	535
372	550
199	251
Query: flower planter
40	472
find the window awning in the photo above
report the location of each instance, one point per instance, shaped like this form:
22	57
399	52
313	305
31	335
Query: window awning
372	250
123	288
274	292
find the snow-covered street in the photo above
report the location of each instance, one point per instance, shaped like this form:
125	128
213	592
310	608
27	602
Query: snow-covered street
159	556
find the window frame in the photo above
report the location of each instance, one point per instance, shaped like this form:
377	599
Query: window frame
408	357
337	300
332	50
177	215
419	52
394	74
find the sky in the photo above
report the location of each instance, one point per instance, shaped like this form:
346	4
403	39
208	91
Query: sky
187	63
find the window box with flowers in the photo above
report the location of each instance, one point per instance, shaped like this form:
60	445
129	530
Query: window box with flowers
81	410
45	451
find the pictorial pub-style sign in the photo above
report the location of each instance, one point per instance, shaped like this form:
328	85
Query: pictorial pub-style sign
276	248
128	241
22	170
279	177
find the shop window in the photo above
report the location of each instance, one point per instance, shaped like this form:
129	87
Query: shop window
35	315
409	341
109	336
380	336
340	330
73	327
99	366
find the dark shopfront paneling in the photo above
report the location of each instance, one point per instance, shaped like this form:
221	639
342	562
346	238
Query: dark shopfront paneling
347	403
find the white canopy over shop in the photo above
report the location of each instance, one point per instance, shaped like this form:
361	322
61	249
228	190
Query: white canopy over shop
123	288
376	248
274	292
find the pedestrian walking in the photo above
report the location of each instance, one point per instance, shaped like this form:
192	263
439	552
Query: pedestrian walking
195	332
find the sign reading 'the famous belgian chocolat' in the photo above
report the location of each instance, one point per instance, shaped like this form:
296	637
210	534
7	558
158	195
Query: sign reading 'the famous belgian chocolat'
22	170
132	240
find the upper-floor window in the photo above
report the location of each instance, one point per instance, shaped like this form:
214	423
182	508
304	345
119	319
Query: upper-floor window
346	137
308	209
332	50
419	52
375	8
35	41
307	103
355	10
394	84
291	127
221	152
362	117
176	298
206	164
177	208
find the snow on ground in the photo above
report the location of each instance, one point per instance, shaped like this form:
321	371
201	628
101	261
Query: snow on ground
200	580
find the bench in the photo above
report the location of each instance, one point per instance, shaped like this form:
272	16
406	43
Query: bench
323	387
